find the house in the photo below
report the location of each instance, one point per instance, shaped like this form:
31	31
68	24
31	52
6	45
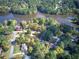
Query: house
18	28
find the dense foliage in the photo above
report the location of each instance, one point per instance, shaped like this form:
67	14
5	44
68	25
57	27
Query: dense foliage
44	6
56	40
45	38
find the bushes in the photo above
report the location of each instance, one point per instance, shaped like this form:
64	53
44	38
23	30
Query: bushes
3	40
17	9
44	6
66	28
1	28
4	9
56	6
51	55
23	8
35	26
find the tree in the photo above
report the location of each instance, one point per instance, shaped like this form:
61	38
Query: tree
43	28
59	50
47	35
1	28
66	39
34	26
66	28
55	30
8	30
11	22
35	20
21	39
23	24
50	55
65	55
28	31
39	50
24	38
30	49
61	44
42	20
4	43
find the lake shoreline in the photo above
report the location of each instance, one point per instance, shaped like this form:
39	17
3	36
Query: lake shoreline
63	19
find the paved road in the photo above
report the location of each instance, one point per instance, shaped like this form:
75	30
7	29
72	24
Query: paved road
12	46
11	52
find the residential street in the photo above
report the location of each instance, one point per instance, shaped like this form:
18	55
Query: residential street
12	46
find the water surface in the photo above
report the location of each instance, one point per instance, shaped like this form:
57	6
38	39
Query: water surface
63	19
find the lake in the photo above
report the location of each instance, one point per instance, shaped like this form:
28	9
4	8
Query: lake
20	17
63	19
